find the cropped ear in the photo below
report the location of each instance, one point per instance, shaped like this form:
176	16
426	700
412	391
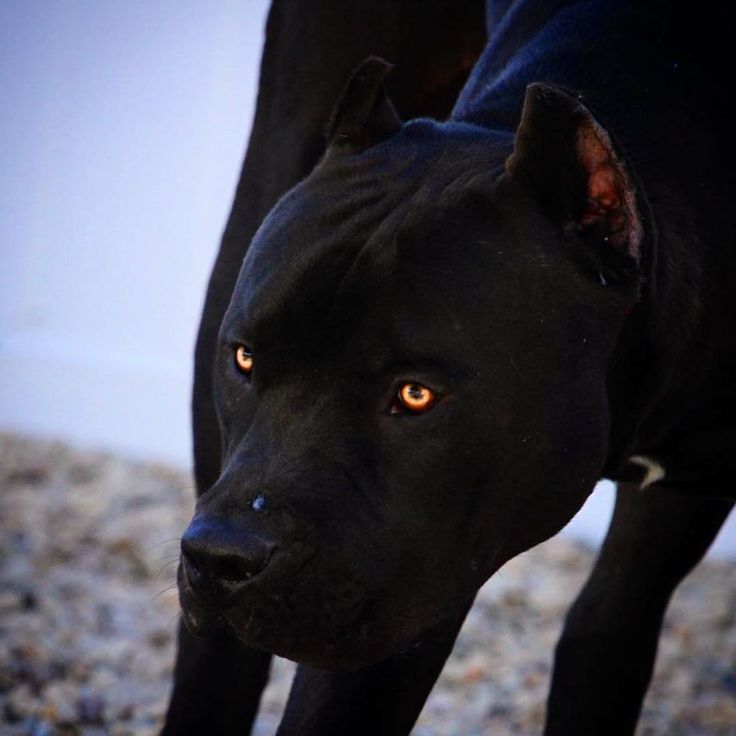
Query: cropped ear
569	161
364	115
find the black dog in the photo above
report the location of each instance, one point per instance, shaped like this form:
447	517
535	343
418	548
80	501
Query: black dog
444	336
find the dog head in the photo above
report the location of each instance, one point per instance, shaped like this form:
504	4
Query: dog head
411	374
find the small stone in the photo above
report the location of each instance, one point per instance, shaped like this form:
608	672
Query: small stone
81	474
28	600
91	709
475	672
126	712
11	712
39	727
104	619
32	475
67	729
159	638
6	681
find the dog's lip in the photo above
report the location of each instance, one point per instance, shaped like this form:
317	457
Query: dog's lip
201	619
242	626
202	625
189	597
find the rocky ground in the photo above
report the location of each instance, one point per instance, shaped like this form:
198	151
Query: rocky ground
88	614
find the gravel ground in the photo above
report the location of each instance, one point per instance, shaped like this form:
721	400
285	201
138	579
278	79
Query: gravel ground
88	615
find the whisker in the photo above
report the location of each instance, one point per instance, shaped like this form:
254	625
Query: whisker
174	619
164	566
167	589
160	544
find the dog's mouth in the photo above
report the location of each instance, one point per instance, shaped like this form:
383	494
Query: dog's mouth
202	620
312	616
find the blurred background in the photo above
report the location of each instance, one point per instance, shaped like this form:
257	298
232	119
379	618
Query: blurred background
123	132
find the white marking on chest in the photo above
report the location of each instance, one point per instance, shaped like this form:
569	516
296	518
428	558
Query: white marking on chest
654	471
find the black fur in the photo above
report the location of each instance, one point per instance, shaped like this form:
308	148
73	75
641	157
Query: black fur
562	279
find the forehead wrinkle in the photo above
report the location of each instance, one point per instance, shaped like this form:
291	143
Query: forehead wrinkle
379	262
388	193
299	246
283	271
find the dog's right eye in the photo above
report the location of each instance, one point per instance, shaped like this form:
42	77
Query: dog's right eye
414	398
244	359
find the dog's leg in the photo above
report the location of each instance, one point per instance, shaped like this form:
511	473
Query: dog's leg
383	699
605	657
218	686
310	50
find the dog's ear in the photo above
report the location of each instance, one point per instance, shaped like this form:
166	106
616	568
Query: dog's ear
570	163
363	115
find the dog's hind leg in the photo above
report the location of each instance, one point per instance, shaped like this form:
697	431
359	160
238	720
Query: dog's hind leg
605	657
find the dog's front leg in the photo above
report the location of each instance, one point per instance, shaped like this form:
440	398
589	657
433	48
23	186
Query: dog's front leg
383	699
605	657
218	685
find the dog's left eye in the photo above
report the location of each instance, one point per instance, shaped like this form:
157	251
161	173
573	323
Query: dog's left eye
244	359
414	398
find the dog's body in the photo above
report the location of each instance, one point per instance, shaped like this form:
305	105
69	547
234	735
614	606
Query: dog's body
442	338
645	71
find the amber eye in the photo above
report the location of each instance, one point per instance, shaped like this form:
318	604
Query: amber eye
244	359
414	398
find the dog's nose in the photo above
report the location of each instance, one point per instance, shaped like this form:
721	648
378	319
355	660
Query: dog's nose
220	557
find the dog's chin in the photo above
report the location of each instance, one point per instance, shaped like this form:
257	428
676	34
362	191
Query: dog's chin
345	649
